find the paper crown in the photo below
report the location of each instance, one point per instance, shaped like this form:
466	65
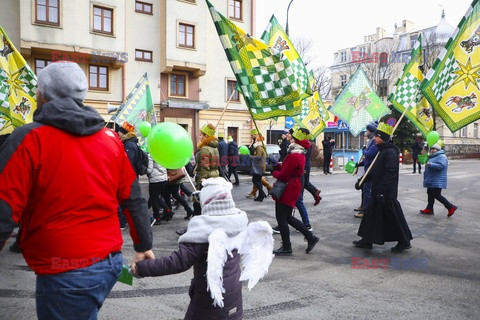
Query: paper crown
221	135
253	132
300	135
385	128
208	131
128	127
229	138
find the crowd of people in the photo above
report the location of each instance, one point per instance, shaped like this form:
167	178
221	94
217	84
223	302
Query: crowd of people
66	175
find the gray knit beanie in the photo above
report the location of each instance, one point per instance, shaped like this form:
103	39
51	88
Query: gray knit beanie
62	79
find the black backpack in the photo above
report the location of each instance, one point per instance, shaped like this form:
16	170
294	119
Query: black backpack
141	162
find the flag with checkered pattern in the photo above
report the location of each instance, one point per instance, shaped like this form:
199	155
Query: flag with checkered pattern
18	85
137	108
452	86
265	75
407	94
358	104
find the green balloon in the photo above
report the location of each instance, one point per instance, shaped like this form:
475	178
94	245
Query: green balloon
170	145
350	166
422	158
144	128
243	150
432	138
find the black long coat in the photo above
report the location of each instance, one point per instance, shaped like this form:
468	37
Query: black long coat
201	304
384	221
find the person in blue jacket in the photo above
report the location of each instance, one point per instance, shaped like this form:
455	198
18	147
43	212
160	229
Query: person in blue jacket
435	179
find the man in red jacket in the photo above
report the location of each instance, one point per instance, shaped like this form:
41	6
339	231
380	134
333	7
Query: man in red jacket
62	178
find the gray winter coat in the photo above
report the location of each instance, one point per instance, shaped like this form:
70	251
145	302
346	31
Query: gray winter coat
155	172
201	304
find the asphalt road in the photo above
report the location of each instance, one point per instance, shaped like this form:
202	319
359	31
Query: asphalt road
438	278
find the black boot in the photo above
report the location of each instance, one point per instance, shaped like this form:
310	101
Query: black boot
261	196
284	250
311	243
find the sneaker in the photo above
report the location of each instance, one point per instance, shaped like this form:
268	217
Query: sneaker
451	211
358	209
400	247
283	251
317	197
428	211
309	228
362	244
276	229
250	196
359	215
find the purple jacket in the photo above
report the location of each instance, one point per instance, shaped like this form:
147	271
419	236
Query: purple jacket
201	304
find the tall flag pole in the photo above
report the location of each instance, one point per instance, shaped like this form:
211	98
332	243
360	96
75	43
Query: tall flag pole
358	104
264	75
137	107
18	85
312	115
452	86
407	92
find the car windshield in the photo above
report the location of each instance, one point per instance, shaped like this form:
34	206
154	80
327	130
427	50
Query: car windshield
273	148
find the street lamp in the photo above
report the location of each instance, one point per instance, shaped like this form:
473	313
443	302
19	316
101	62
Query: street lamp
288	8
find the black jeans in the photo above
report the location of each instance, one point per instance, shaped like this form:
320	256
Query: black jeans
185	190
156	190
326	162
415	161
233	170
173	189
284	216
257	181
436	193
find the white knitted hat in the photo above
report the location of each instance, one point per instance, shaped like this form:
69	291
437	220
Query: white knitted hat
216	197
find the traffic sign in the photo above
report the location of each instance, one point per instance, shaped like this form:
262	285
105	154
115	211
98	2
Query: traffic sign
289	122
342	125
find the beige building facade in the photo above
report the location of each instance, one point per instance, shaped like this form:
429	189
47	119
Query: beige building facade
116	41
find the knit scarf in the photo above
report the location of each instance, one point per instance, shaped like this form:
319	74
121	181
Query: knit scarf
296	148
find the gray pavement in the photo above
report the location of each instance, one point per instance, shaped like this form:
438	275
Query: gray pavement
438	278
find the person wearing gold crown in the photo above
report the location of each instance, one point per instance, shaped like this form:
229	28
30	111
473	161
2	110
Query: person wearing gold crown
384	220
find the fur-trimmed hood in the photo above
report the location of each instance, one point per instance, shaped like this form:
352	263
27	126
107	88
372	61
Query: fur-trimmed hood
208	141
129	135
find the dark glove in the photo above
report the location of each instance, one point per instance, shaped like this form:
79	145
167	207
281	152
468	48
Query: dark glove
358	186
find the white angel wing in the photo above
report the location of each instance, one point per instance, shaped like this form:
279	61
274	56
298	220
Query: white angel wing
217	255
257	252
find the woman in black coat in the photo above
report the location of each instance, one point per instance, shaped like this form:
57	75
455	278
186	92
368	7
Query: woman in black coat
384	221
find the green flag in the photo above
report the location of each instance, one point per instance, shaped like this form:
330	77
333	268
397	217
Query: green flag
265	76
137	107
18	85
407	94
358	104
452	86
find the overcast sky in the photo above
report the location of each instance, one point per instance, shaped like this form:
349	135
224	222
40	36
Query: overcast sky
338	24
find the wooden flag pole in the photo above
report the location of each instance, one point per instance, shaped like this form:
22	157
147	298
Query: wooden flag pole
394	128
224	109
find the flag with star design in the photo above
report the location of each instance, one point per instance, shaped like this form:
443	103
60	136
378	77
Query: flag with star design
18	86
407	94
452	86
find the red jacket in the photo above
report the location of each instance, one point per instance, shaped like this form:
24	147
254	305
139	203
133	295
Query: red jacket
290	171
62	178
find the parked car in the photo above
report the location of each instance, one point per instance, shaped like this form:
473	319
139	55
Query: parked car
273	152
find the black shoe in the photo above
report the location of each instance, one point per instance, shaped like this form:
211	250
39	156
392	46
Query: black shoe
362	244
276	229
259	198
168	215
311	243
181	231
236	183
400	247
14	248
283	251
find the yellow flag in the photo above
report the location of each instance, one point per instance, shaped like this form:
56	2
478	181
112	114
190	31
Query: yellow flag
18	85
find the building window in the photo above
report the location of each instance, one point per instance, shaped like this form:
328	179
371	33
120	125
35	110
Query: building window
343	56
143	55
383	88
177	85
47	11
413	39
343	80
475	130
143	7
102	20
98	78
236	9
362	51
231	88
40	64
233	132
463	133
383	59
186	35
